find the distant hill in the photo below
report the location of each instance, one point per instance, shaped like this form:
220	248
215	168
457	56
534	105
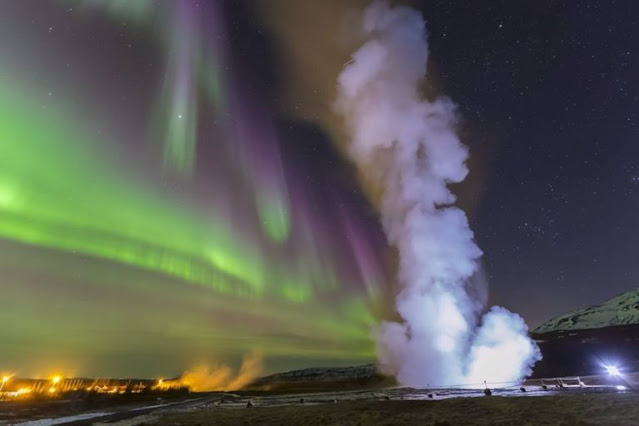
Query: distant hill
620	310
323	378
583	341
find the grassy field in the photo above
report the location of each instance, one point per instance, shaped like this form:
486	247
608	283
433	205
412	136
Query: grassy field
592	409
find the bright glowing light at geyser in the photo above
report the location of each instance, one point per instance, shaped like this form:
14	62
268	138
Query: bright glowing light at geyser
613	370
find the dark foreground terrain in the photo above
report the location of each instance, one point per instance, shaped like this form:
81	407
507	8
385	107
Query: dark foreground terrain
575	409
585	404
587	400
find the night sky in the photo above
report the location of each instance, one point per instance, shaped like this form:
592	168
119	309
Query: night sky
173	188
550	102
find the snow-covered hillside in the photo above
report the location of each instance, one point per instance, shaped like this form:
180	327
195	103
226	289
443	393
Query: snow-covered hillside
620	310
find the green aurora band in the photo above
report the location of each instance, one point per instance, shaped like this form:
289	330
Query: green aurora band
104	272
57	192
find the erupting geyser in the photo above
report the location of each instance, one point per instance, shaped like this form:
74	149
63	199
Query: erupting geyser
406	147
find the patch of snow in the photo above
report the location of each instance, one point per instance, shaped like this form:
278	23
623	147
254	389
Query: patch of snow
61	420
620	310
146	407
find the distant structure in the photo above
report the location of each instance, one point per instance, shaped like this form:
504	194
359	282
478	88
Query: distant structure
487	391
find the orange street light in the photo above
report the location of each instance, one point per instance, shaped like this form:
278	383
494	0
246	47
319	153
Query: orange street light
5	379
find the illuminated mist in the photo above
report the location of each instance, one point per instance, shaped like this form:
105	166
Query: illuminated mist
406	147
206	378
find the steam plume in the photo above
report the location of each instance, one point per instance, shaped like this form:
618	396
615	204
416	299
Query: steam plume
205	378
406	147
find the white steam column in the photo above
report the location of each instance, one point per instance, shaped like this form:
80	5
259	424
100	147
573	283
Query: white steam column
407	149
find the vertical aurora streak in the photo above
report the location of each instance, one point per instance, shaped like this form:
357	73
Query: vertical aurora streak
180	103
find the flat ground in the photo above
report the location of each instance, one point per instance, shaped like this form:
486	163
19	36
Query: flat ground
576	409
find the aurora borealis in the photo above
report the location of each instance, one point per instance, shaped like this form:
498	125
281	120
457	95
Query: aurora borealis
176	187
153	218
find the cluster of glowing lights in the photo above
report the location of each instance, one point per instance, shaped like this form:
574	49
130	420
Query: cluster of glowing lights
169	384
54	386
13	394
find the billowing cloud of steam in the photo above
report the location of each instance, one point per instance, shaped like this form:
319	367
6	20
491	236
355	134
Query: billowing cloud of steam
221	377
408	148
